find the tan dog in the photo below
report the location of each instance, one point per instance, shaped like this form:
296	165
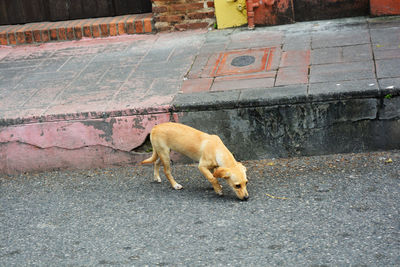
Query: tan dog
207	149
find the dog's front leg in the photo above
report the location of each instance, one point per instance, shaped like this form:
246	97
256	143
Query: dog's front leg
206	172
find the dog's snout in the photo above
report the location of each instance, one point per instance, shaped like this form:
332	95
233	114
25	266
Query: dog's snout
245	198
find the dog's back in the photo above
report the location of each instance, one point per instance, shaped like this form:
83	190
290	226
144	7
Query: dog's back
178	137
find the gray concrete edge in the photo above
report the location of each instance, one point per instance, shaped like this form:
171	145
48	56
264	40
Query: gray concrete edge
296	121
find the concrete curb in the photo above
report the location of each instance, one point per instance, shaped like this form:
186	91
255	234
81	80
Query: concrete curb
264	123
253	123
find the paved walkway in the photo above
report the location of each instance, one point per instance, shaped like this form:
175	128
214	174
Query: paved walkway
115	74
151	74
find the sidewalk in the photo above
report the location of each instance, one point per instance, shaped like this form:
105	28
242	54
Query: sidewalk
92	102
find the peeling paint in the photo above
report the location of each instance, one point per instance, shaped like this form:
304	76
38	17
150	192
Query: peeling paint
18	157
137	124
20	144
105	126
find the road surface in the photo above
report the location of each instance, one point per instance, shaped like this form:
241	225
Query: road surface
313	211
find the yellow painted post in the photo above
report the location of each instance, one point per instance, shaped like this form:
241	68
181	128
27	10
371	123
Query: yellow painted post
230	13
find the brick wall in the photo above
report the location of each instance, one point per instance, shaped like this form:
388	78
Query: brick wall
183	14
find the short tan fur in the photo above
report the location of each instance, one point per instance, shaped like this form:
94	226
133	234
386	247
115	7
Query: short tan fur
208	150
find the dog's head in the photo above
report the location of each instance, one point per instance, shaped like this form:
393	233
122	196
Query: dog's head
236	178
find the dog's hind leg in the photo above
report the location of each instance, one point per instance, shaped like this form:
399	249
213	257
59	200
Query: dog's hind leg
157	164
164	157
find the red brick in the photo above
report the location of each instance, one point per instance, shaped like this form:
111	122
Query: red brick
28	37
53	33
113	26
78	32
78	28
194	6
10	34
3	39
139	26
29	32
3	34
45	35
71	35
19	34
130	27
176	8
11	38
147	25
210	4
191	26
113	29
130	24
62	33
121	27
104	30
36	31
197	85
170	18
201	15
95	30
20	37
186	7
87	29
37	37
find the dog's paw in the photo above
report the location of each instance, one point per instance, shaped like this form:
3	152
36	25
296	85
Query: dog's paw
178	187
218	190
219	193
157	179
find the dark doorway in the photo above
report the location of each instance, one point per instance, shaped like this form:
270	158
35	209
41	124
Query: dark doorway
306	10
25	11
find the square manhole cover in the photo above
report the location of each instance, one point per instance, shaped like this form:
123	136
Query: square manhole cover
243	62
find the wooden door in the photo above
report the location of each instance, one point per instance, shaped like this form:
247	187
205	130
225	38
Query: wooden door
25	11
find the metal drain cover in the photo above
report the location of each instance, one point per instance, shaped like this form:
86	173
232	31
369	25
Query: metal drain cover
242	61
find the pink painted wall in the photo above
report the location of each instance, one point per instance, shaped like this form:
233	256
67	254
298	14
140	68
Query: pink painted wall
75	144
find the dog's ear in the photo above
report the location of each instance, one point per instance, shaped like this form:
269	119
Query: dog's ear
221	173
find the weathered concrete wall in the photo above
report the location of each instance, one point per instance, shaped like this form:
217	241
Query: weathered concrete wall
288	127
305	128
80	144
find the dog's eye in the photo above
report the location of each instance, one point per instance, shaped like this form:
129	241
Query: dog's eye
237	186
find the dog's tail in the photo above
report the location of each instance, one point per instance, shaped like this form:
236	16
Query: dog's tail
152	159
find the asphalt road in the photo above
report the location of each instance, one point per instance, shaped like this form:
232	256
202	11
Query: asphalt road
313	211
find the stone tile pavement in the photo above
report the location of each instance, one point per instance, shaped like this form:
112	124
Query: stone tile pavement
148	71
